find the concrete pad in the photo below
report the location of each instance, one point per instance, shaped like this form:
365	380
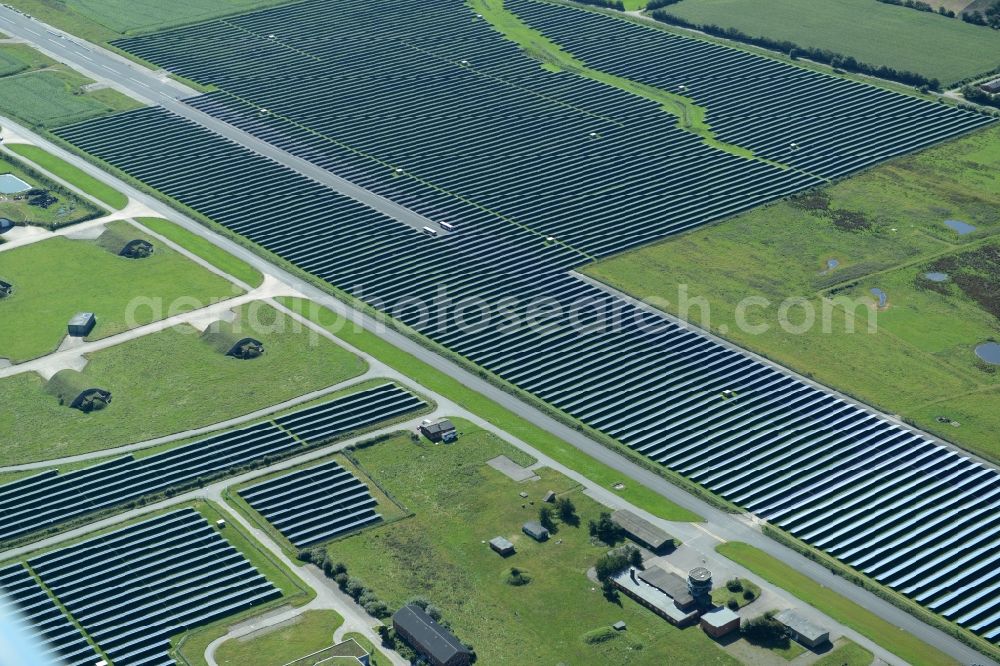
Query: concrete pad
87	233
202	322
26	233
71	342
5	363
61	362
511	469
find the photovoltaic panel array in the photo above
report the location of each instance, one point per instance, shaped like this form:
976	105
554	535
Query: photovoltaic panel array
351	412
540	171
49	498
133	589
55	635
315	504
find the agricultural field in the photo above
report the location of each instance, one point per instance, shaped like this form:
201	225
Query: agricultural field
104	20
68	208
169	382
885	229
441	554
58	277
858	28
41	93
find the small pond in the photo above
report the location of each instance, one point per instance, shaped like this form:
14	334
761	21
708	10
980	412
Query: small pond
936	277
881	295
831	264
961	227
989	352
11	184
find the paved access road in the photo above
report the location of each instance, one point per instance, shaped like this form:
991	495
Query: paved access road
147	85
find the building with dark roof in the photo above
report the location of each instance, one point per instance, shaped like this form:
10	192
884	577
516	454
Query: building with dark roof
642	531
5	225
441	431
535	530
654	598
438	645
670	584
81	324
6	289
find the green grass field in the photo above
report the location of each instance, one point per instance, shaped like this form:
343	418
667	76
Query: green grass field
58	277
920	362
441	553
71	174
105	20
866	623
55	96
68	209
204	249
165	383
439	382
847	653
310	632
870	31
17	58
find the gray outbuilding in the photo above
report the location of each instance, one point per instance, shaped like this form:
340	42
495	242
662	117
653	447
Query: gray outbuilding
802	629
642	531
81	324
535	530
502	546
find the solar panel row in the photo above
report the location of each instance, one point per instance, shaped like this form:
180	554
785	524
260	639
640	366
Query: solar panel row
497	290
131	590
39	616
315	504
49	499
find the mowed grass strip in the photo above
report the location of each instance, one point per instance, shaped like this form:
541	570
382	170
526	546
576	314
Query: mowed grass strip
871	32
841	609
169	382
195	244
440	383
310	632
442	554
885	228
848	653
71	174
16	58
56	278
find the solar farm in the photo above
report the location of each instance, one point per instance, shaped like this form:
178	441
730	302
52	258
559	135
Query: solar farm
50	498
649	383
301	146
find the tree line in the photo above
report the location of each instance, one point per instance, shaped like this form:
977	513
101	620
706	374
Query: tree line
989	17
836	60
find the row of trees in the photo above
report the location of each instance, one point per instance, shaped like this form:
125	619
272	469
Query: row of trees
607	4
975	94
989	17
836	60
